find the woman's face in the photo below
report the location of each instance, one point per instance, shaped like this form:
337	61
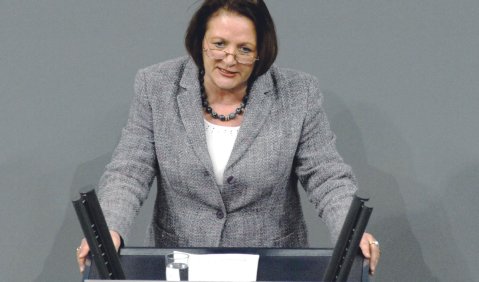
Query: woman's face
232	33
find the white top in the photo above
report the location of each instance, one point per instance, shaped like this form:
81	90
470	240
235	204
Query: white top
220	140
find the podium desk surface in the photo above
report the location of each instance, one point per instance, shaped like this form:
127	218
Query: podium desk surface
148	264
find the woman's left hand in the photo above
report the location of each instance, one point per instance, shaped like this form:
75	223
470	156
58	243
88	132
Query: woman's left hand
370	248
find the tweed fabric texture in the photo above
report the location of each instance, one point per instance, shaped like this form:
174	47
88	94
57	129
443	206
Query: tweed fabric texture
284	137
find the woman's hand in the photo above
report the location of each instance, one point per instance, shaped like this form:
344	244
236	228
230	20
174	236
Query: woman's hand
84	249
370	248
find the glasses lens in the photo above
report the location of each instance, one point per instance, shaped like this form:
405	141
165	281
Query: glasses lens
216	54
245	59
220	55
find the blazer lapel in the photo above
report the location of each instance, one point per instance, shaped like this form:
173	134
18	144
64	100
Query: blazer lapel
191	114
257	110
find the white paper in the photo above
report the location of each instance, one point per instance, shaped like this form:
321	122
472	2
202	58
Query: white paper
222	267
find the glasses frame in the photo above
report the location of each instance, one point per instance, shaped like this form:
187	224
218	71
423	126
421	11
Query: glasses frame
235	55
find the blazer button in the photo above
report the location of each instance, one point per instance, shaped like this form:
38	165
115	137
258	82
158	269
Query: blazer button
220	214
230	179
206	173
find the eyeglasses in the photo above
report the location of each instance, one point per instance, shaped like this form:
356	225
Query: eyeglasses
242	58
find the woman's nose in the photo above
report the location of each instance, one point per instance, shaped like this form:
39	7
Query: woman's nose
230	59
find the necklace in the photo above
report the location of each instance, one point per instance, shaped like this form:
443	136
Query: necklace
209	110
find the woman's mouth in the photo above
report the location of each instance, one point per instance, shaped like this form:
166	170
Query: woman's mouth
226	72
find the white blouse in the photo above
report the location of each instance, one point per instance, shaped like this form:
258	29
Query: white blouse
220	140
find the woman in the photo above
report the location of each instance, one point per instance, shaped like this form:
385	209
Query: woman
228	135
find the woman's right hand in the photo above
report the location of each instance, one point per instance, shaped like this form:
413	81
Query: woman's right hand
84	249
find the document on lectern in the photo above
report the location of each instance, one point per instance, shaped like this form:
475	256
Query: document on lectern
223	267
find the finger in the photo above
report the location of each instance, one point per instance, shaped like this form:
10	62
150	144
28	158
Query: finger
374	260
364	245
116	238
82	253
80	258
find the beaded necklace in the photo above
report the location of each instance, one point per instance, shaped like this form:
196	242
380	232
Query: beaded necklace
209	110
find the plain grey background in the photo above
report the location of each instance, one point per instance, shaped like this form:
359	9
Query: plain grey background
400	80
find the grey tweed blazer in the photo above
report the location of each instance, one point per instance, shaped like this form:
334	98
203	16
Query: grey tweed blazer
284	137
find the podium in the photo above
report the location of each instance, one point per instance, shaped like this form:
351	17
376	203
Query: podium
140	264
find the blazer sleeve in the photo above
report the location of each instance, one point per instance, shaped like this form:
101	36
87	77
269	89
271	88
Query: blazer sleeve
327	180
127	179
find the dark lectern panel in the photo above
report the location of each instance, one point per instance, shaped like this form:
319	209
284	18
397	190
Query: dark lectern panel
274	264
291	268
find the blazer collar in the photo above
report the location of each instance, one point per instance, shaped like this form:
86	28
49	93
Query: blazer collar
189	79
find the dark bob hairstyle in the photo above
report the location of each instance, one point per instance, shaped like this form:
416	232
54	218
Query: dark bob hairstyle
255	10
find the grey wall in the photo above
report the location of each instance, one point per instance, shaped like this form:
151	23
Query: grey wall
400	81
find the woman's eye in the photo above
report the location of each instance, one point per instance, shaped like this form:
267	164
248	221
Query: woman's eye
245	50
219	44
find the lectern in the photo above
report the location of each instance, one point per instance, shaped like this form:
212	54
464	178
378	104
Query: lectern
344	263
140	264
